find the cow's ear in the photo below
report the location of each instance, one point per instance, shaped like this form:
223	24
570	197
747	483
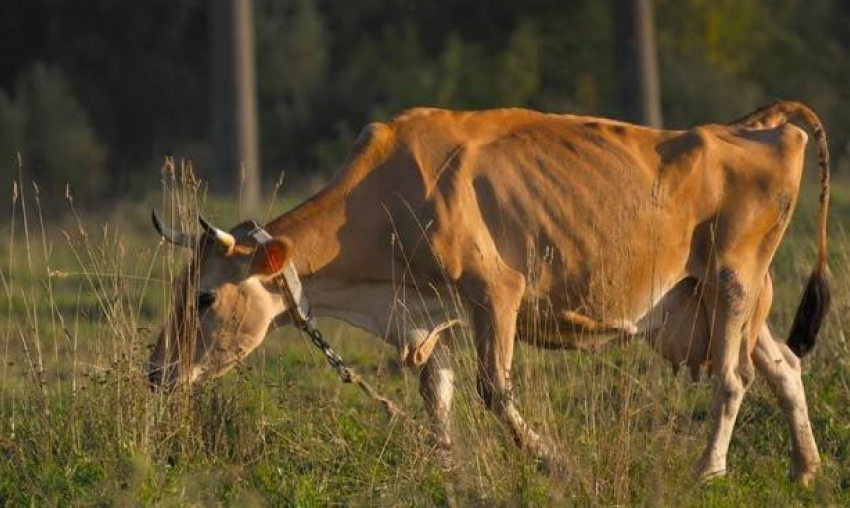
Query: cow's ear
271	257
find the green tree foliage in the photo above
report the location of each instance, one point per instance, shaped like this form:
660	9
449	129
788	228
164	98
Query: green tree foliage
46	125
292	59
722	58
327	68
139	70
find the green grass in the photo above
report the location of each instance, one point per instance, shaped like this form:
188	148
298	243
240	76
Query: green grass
82	300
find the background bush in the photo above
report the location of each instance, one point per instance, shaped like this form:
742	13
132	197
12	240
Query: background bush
129	81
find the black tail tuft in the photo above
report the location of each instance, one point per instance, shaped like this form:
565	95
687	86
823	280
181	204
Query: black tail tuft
810	314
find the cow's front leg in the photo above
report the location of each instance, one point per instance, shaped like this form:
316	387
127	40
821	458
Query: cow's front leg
436	384
731	364
494	308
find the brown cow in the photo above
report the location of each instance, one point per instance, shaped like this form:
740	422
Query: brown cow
608	230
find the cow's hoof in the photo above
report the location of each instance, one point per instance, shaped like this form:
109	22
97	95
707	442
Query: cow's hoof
710	470
805	475
549	461
707	476
445	458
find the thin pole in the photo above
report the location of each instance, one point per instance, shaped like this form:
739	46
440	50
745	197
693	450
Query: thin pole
636	56
234	101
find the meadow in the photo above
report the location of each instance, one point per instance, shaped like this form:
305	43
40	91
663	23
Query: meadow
82	298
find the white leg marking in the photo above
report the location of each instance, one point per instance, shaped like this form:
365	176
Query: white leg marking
781	369
437	389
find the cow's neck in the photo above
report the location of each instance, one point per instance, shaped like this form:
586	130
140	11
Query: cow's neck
312	227
329	280
348	283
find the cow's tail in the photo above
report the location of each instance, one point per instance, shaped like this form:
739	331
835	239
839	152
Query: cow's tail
816	298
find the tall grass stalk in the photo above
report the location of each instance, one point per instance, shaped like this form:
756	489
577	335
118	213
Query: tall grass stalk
86	295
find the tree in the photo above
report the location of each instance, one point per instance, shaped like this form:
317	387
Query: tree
44	122
234	96
637	60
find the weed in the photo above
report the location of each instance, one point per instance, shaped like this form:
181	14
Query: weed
84	297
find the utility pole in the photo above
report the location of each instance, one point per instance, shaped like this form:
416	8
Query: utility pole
234	101
636	58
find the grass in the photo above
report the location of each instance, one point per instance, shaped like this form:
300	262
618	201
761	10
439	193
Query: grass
82	298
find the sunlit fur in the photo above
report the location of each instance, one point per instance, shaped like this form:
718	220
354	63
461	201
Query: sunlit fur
195	343
607	230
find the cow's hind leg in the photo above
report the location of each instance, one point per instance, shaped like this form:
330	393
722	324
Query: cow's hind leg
781	369
732	365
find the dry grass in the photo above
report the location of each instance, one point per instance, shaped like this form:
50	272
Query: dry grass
83	298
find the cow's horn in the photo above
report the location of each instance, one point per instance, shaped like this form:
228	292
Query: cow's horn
225	239
176	237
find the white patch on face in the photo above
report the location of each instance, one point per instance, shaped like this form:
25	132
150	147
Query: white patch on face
235	325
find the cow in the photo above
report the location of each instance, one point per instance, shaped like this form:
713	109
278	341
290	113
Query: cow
497	219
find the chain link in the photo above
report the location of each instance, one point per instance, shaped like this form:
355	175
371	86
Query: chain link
332	356
346	374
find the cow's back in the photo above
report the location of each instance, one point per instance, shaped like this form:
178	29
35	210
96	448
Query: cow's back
569	201
586	208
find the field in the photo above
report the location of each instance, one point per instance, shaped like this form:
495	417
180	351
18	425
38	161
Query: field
82	298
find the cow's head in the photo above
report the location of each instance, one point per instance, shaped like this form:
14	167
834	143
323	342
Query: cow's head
224	302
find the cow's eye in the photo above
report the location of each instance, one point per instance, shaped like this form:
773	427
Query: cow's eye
205	299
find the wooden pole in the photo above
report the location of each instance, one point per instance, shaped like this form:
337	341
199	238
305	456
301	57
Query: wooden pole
234	101
636	57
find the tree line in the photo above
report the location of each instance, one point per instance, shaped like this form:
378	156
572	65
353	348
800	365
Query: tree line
99	92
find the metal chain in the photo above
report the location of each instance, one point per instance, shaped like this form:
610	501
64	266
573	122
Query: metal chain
332	356
301	315
347	374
